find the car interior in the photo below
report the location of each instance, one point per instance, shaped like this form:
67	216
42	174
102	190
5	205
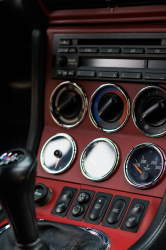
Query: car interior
83	102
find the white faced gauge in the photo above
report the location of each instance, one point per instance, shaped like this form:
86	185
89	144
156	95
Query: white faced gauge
99	159
58	153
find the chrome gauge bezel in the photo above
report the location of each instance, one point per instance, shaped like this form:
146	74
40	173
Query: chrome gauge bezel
163	158
91	113
74	151
84	172
134	115
85	100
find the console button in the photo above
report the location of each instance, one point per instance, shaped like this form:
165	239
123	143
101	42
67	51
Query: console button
151	76
116	211
42	195
70	73
137	208
72	50
77	210
131	221
98	207
83	198
88	50
110	50
108	74
86	73
65	42
67	196
60	207
63	50
129	75
156	51
133	51
59	72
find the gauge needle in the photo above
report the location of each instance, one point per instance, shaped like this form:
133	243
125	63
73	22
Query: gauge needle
137	168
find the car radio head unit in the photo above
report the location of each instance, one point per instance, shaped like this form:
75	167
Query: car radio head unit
110	56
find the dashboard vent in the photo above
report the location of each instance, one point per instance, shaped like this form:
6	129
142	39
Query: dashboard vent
125	3
75	4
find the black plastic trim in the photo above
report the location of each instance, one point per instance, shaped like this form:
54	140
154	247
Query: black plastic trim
37	92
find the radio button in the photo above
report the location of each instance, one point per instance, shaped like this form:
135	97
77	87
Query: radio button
72	50
110	50
65	42
151	76
86	73
88	50
128	75
70	73
108	74
156	51
63	50
133	51
61	72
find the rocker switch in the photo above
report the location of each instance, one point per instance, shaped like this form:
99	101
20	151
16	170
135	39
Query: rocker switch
97	209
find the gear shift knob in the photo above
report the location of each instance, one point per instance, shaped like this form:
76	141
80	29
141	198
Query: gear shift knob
17	185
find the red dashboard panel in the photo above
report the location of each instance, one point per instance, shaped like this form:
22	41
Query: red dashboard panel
127	138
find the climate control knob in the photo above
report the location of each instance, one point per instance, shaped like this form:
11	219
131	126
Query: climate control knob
149	111
109	108
68	104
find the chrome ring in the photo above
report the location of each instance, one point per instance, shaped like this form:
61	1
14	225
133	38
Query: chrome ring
84	172
163	158
85	102
90	108
134	116
74	150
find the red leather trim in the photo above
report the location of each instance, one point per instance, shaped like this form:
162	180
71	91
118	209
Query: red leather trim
154	13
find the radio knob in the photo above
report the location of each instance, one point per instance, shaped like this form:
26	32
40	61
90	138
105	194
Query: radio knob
62	61
154	111
110	107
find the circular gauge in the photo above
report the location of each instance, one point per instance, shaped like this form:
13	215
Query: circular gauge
144	165
109	108
149	111
58	153
99	159
68	104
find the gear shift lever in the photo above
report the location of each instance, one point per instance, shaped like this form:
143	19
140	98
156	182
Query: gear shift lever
17	184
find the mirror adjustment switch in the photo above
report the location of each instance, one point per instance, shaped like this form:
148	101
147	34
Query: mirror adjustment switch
77	210
81	204
83	198
97	209
116	211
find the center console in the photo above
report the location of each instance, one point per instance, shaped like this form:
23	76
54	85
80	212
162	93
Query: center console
103	139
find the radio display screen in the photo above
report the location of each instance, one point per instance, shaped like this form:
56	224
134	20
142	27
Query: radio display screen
112	63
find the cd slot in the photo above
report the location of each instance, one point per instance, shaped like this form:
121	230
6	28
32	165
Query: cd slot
124	42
